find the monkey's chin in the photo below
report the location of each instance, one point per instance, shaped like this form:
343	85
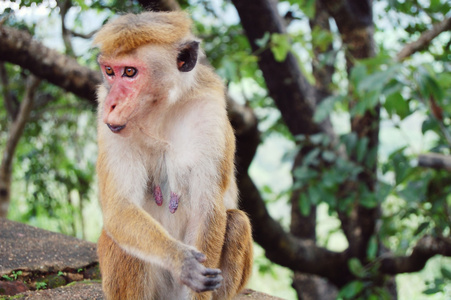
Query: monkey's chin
115	128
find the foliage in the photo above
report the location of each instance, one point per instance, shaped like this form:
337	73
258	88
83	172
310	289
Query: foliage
14	275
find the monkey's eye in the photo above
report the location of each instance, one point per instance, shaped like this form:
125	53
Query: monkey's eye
109	71
129	72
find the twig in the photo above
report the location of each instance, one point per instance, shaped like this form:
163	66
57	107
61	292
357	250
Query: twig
427	247
83	35
435	161
424	40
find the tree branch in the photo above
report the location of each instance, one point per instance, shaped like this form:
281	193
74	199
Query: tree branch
354	20
435	161
18	47
11	103
14	135
286	250
424	40
64	6
83	35
291	92
322	71
160	5
426	248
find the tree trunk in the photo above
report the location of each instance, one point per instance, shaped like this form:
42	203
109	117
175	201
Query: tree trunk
14	134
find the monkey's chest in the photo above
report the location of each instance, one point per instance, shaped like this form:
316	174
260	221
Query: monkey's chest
171	210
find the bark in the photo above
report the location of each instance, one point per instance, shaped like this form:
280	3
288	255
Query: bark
159	5
15	132
322	72
309	286
11	103
426	248
435	161
286	250
19	47
64	6
291	92
355	24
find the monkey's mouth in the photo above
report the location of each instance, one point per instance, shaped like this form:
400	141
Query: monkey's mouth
115	128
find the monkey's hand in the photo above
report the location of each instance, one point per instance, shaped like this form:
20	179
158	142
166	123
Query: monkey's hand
196	276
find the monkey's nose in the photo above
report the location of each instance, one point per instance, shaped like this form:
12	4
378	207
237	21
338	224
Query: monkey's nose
115	128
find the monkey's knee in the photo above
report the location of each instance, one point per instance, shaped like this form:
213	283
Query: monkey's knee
237	224
237	254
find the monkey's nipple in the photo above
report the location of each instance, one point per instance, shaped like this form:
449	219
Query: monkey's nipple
115	128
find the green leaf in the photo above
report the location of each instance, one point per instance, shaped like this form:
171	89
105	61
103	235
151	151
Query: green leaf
356	267
304	204
308	7
326	107
263	41
430	124
446	273
362	148
321	38
395	104
314	194
429	87
400	165
433	290
383	190
377	80
82	4
371	251
351	290
328	156
369	200
280	46
422	227
304	173
350	141
267	189
317	138
311	159
358	72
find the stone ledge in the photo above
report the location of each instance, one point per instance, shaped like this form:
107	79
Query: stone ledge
36	252
93	291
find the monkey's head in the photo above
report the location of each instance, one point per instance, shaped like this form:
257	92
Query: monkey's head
148	62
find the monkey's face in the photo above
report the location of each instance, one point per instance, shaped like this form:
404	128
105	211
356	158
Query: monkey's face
124	79
144	82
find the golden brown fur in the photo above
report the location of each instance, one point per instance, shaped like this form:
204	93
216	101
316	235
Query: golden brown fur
131	31
167	131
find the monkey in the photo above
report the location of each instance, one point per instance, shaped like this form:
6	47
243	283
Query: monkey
165	166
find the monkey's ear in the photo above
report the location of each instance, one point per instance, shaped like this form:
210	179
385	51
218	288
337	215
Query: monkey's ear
187	58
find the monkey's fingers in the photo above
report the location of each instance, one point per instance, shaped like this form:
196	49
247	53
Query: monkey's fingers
212	283
200	257
211	272
206	283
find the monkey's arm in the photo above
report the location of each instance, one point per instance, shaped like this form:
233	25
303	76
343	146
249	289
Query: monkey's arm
140	235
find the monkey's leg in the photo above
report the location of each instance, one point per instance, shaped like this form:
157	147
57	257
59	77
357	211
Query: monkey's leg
123	276
211	231
237	255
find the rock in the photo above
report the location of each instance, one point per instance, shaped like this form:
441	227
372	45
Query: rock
93	290
12	287
75	291
28	248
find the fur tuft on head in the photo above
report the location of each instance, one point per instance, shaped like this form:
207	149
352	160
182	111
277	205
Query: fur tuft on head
130	31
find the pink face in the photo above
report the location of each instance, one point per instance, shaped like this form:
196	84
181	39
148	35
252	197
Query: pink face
125	81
